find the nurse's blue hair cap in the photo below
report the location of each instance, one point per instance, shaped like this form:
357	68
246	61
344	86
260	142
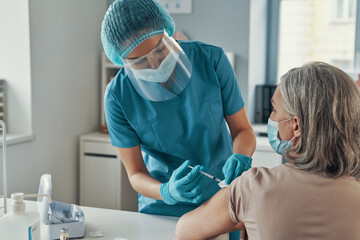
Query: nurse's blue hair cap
127	23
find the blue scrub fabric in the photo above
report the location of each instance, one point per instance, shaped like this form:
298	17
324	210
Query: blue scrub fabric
188	126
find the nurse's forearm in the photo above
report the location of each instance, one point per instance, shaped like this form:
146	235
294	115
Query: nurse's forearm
245	142
137	172
146	185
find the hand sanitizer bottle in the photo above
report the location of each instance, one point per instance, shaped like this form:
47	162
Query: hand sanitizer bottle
26	224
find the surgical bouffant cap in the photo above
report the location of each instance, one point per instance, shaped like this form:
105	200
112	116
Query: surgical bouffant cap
127	23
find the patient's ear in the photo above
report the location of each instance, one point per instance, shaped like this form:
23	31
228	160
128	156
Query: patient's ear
296	126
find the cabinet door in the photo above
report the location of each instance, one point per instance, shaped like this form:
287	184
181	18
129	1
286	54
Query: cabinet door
266	159
100	181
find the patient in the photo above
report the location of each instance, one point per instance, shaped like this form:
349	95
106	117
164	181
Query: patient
315	195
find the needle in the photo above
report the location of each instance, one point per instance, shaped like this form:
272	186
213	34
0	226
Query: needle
208	175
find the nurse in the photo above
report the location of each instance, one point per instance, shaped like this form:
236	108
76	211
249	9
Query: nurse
167	108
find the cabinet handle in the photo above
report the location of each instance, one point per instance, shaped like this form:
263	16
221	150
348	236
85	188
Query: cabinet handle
100	155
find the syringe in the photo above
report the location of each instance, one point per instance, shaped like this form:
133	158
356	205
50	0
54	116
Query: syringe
208	175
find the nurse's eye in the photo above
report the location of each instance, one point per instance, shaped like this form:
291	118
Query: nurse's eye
160	49
273	109
141	64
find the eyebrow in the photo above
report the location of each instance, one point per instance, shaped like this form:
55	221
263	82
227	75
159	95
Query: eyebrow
158	44
272	102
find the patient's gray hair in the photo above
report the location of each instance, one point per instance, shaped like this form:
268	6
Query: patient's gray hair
327	102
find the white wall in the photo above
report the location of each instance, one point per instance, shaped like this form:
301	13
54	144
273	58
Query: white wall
257	51
236	26
223	23
65	72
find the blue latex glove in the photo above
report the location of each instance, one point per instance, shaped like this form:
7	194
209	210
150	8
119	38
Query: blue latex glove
235	166
183	187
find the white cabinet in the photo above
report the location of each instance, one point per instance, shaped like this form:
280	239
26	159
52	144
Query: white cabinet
99	190
103	179
264	155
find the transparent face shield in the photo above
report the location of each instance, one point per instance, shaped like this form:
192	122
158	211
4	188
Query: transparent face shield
162	73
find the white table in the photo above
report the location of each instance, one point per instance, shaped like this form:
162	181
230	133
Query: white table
129	225
111	223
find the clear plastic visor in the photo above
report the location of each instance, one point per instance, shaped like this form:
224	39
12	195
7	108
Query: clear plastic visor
162	73
152	59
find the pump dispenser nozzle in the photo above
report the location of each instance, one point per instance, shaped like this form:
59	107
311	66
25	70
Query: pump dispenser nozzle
18	205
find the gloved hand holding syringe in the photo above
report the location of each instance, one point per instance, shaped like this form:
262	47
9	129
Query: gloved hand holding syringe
221	183
206	174
186	187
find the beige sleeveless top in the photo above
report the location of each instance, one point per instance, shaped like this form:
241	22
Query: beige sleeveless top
284	203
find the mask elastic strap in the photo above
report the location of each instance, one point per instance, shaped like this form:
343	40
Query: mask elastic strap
292	140
285	120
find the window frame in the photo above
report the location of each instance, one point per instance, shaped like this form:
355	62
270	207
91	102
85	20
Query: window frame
345	12
273	41
17	72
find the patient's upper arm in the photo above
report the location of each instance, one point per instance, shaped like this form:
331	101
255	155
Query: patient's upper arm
224	212
209	220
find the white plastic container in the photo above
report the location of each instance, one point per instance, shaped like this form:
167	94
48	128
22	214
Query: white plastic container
52	230
25	224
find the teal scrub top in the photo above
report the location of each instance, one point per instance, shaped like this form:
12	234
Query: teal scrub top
188	126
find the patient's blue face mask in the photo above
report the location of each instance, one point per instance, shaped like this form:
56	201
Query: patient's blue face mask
278	145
